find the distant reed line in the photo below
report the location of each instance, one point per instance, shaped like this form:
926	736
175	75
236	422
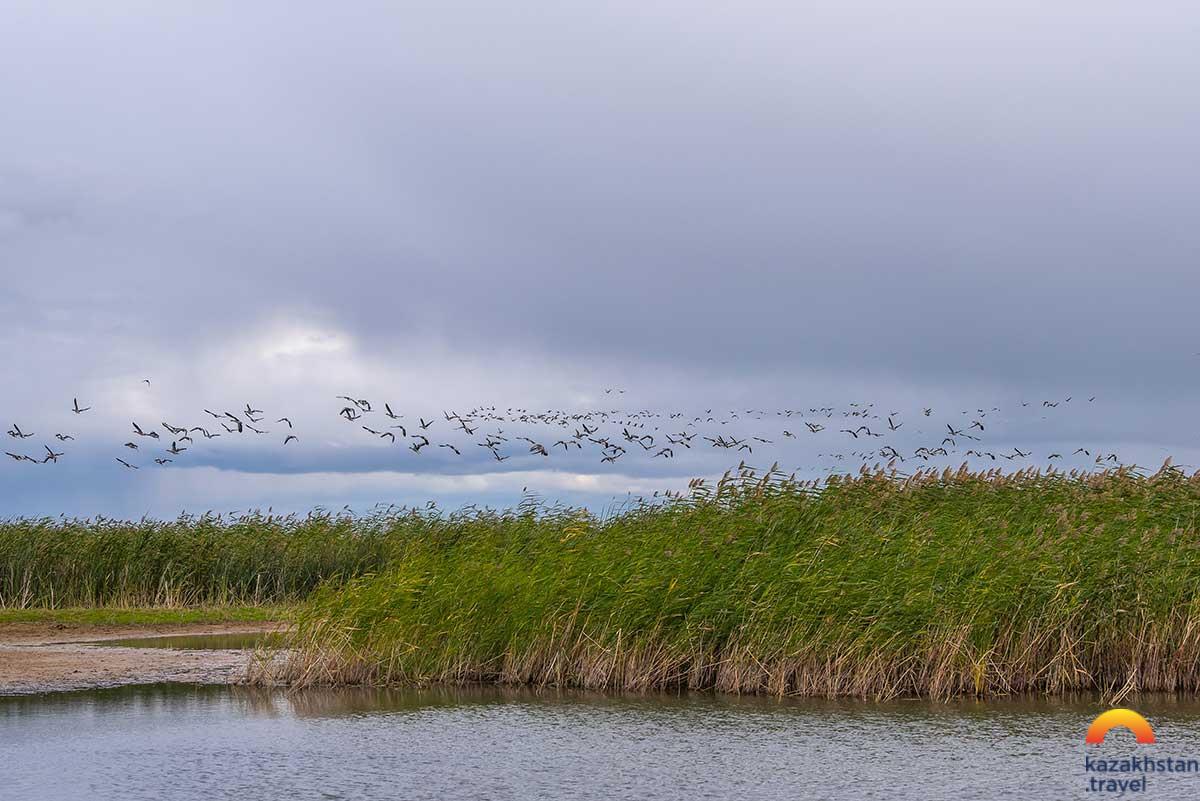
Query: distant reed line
253	558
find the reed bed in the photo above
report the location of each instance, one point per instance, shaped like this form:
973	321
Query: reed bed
936	584
200	560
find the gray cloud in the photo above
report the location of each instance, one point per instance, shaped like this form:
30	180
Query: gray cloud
761	206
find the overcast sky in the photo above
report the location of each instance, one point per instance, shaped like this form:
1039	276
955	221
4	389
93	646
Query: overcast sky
767	205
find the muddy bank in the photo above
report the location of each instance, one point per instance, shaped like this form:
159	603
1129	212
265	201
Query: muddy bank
56	657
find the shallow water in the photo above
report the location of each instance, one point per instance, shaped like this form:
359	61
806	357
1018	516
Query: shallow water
184	742
242	641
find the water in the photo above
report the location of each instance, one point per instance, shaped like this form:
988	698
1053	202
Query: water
183	742
244	641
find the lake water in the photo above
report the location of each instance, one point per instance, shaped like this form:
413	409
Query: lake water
196	642
184	742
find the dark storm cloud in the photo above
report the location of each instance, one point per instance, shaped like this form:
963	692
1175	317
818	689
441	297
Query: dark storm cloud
768	201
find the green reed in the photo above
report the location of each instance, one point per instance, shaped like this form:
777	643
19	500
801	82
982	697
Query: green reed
253	558
878	585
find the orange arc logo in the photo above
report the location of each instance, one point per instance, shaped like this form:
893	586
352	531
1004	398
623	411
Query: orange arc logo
1120	717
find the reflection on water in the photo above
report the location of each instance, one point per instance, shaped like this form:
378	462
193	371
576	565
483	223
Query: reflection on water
243	641
216	742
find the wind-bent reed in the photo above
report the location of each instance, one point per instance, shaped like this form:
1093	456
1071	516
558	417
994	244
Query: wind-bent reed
936	584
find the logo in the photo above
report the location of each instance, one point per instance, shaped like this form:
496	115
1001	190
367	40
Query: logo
1114	769
1125	718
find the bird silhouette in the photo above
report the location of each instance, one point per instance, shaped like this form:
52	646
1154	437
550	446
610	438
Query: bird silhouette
16	432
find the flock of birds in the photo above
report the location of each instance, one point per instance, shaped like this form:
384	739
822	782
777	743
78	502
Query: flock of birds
857	433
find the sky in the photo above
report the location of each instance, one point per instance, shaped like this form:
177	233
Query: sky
762	206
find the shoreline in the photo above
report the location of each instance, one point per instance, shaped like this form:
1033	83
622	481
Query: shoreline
41	657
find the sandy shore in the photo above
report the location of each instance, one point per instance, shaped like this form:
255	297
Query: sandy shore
44	657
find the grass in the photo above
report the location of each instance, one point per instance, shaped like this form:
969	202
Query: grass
147	616
938	584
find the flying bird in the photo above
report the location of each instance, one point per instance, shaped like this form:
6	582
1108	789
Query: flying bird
17	433
138	430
